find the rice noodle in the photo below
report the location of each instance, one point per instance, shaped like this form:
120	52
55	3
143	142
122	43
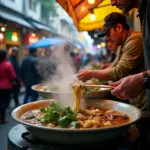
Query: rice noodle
78	89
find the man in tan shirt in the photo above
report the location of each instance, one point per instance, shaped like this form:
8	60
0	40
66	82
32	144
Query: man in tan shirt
130	59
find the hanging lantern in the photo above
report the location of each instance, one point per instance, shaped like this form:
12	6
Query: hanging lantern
91	2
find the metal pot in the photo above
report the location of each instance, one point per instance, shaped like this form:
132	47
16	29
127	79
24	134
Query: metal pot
101	94
76	136
60	96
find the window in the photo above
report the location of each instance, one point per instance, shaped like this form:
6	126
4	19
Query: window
32	5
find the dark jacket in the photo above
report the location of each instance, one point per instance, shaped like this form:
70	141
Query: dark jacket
16	66
29	73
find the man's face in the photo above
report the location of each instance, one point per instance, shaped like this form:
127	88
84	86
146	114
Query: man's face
122	4
115	36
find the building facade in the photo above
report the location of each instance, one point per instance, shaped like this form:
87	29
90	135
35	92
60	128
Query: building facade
21	24
15	4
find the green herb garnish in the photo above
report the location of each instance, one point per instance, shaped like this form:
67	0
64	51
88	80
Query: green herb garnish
63	122
57	115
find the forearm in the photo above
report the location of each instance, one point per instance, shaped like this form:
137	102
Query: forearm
101	74
105	65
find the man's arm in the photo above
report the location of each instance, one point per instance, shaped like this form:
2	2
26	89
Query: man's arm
101	74
131	59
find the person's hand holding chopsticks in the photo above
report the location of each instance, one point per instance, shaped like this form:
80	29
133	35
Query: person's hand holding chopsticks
84	75
129	87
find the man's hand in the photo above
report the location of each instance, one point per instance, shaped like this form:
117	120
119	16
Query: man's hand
84	75
129	87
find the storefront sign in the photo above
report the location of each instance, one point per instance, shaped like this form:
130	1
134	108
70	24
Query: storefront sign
1	37
31	38
12	37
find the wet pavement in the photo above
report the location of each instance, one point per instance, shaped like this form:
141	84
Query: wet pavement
4	128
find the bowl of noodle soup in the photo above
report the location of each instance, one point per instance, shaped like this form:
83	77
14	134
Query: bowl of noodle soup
88	121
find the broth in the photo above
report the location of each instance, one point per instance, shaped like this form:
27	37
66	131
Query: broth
90	118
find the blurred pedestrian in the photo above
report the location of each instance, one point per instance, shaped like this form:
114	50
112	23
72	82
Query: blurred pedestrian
46	66
16	88
7	76
77	61
29	75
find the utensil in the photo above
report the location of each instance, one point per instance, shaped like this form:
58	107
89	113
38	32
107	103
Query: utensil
66	136
97	86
